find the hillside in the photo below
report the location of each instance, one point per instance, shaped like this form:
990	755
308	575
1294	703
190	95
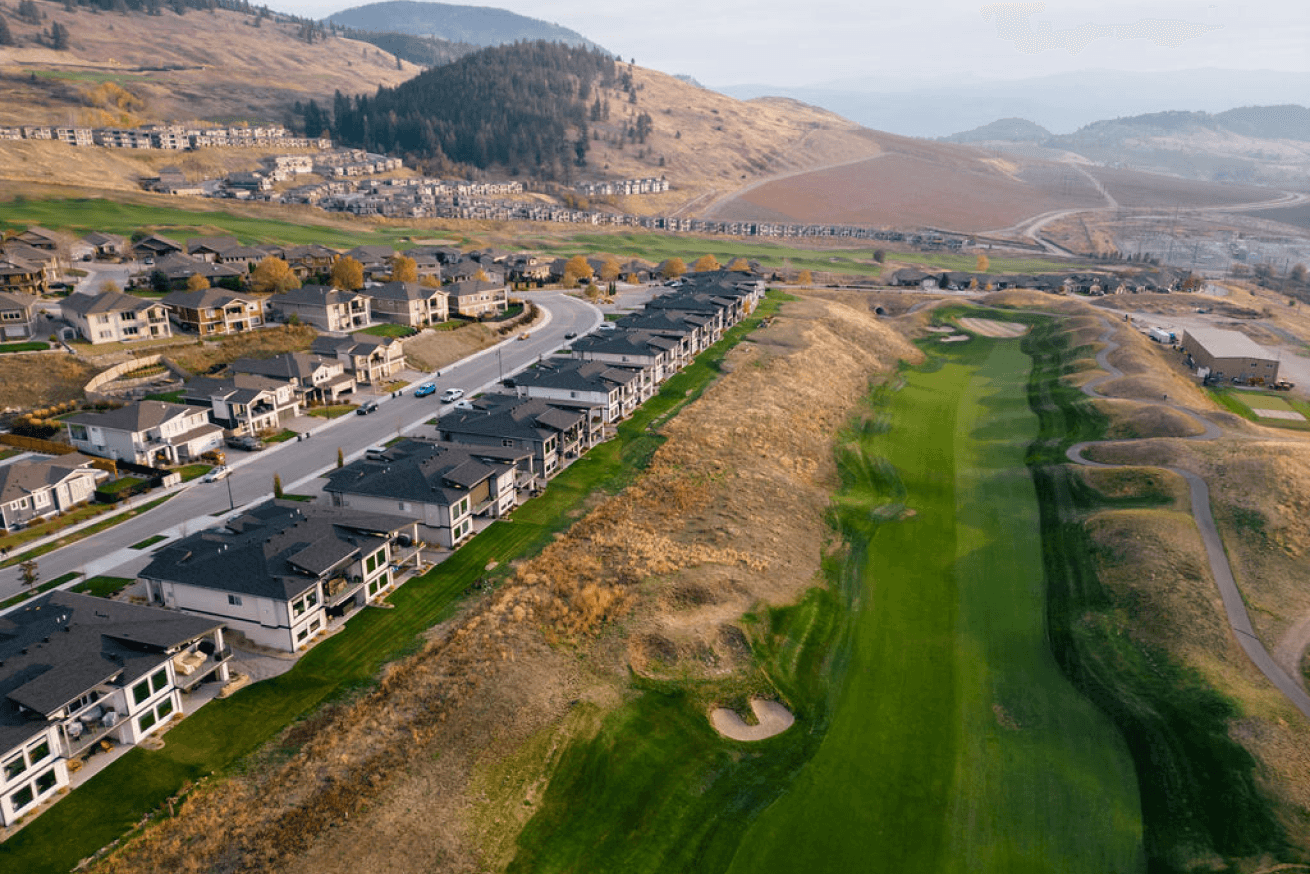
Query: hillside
476	25
216	64
1264	145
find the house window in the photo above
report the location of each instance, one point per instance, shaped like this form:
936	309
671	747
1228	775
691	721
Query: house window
141	691
301	635
298	607
39	752
165	708
234	600
147	720
45	782
311	599
22	798
15	766
315	625
159	680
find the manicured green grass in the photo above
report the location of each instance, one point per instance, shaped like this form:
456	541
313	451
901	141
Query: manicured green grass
168	397
82	215
1249	404
226	730
88	76
281	437
39	588
148	542
389	330
956	743
331	412
80	514
191	471
115	486
1260	402
103	587
31	346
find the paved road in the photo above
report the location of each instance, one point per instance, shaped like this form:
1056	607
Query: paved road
1238	619
198	505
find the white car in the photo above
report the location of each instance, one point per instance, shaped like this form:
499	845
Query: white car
216	474
451	394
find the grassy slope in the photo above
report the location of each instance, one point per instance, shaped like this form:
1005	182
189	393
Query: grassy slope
957	744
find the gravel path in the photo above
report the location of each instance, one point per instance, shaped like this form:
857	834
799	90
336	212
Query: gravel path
1238	619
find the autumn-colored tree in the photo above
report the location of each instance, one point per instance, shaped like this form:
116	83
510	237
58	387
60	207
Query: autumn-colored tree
673	268
277	486
341	458
610	269
272	275
592	291
631	279
404	269
109	285
430	281
28	573
983	264
576	269
740	265
347	273
705	263
804	278
196	282
481	276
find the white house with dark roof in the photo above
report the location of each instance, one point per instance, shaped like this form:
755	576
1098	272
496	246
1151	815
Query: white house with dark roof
408	303
16	316
324	307
553	434
281	570
215	311
319	379
474	298
611	391
77	672
114	317
371	360
146	432
247	403
39	487
442	485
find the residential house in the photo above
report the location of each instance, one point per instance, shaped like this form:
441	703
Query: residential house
246	403
78	672
376	260
179	269
309	261
407	303
114	317
154	247
444	486
426	261
106	246
473	298
527	267
371	360
553	434
699	328
17	316
145	432
610	391
319	380
210	248
39	238
43	260
324	307
215	311
468	269
22	277
37	488
656	355
280	571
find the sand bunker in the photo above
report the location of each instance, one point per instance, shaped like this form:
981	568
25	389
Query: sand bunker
939	329
956	338
990	328
1290	415
773	718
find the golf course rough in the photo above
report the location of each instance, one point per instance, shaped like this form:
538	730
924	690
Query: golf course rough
955	743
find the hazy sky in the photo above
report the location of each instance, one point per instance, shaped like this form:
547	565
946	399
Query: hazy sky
726	42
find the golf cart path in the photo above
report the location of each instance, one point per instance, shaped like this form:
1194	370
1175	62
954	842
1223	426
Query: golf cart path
1238	619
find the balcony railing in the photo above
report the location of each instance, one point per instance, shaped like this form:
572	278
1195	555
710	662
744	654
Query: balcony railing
189	671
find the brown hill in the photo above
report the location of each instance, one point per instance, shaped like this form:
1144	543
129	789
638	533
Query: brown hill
128	68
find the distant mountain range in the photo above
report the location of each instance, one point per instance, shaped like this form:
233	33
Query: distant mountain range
1060	103
1267	145
475	25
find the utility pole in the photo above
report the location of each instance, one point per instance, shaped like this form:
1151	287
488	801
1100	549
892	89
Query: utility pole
231	503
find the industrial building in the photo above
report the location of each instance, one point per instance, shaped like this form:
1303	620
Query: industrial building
1229	356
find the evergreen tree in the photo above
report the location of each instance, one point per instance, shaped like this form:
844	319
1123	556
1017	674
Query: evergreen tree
6	38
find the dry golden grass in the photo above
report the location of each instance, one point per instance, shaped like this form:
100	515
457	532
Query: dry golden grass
33	380
1130	419
200	65
729	512
202	357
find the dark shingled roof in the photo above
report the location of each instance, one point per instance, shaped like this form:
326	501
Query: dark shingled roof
277	549
104	302
61	645
576	374
506	416
140	416
413	470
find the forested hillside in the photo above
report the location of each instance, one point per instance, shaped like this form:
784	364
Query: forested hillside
521	107
477	25
425	51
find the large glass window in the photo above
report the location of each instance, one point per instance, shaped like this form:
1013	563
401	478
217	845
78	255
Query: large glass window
39	752
141	691
159	680
147	720
165	707
22	798
15	766
45	782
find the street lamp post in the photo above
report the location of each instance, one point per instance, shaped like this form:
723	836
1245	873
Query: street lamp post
500	366
231	503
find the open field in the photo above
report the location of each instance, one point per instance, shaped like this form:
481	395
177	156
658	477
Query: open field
960	192
956	744
1131	188
1296	215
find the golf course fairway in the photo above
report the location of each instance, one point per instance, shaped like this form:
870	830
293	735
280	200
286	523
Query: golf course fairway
955	743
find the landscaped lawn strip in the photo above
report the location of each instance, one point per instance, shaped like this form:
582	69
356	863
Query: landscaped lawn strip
211	740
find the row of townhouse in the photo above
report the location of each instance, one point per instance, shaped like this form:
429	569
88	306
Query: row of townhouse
651	185
166	137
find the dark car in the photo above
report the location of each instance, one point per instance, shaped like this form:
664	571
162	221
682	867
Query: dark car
246	442
366	408
427	388
570	335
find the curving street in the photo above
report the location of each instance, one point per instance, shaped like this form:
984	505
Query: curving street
198	505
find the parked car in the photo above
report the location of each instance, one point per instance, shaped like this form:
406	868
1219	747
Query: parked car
525	335
451	394
216	474
427	388
464	405
367	408
605	326
246	442
569	335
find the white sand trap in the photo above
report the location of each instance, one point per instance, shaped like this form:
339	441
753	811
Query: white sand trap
773	718
939	329
1290	415
956	338
990	328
